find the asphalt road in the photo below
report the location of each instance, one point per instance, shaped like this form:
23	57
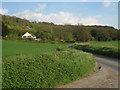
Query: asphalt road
106	77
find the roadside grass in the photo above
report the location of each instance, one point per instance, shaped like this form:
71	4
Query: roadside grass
110	48
46	70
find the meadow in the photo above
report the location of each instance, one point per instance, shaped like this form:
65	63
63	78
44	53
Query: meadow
40	65
108	48
16	48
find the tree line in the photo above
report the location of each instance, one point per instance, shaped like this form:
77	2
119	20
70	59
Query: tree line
14	27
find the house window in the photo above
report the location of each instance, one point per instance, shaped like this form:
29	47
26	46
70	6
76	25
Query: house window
29	36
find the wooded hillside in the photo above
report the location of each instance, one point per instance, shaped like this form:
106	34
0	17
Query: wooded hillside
14	28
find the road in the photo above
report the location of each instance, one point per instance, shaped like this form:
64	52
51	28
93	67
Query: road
106	77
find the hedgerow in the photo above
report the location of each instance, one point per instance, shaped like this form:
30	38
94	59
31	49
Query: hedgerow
110	49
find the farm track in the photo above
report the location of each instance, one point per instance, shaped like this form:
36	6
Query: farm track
106	77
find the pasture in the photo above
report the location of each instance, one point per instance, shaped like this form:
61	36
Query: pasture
110	44
16	48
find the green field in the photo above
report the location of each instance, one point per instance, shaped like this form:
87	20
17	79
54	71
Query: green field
16	48
108	48
111	44
40	65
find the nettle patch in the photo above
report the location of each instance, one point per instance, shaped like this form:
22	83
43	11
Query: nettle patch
46	70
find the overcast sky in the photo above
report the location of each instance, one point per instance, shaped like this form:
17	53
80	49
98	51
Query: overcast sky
86	13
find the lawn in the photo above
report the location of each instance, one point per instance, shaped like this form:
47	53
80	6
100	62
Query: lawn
40	65
108	48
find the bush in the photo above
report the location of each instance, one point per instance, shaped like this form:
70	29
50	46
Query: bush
46	70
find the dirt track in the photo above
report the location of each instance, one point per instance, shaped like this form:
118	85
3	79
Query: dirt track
106	77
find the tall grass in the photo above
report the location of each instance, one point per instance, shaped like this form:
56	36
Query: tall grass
110	48
46	70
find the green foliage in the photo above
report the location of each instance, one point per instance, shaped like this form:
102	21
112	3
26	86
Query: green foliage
15	27
101	35
44	70
104	48
5	30
83	35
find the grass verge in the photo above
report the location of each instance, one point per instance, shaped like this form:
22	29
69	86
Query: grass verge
104	48
46	70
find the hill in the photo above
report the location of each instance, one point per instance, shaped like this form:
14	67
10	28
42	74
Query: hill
14	28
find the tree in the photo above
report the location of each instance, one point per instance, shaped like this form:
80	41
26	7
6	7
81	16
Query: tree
5	30
83	35
101	35
16	27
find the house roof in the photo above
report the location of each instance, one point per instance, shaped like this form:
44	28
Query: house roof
27	34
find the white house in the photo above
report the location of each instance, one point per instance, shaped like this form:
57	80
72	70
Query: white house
28	35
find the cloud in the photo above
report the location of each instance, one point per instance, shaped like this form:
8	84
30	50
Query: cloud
41	7
107	4
59	18
3	11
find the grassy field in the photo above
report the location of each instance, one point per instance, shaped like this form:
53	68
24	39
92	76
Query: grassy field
109	48
16	48
39	65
